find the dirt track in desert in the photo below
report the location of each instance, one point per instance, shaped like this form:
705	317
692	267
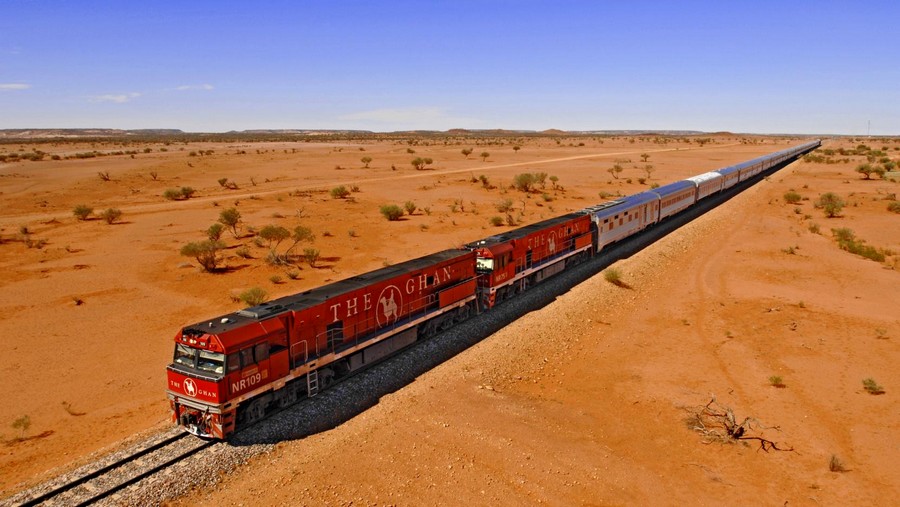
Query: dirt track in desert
582	402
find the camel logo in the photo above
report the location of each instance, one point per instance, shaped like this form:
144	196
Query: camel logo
552	243
389	301
190	387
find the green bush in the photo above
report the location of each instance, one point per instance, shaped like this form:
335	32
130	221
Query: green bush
410	207
205	252
340	192
392	212
214	233
792	197
872	387
253	296
111	215
82	211
831	203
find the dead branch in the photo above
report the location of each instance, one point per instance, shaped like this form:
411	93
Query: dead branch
717	423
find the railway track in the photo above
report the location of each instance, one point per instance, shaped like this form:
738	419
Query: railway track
92	486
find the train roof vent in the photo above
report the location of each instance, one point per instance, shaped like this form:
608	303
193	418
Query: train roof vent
261	311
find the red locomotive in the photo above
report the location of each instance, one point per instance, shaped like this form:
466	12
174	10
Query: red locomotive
509	263
230	371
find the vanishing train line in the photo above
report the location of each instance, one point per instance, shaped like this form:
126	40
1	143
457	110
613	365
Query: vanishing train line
233	370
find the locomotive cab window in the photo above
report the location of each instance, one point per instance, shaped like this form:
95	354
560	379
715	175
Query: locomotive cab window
484	265
213	362
185	355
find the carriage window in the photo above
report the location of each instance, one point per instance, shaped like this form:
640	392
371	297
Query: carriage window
185	355
213	362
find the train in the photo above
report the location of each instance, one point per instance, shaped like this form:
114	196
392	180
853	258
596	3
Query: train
233	370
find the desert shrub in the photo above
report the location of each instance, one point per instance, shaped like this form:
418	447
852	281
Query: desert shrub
872	387
831	203
174	194
214	232
654	185
496	221
848	241
614	276
222	182
776	381
187	192
230	218
814	228
504	206
836	465
484	156
243	252
366	161
82	211
311	255
206	253
110	215
391	212
253	296
792	197
275	279
524	182
22	423
894	207
104	175
352	233
546	197
292	274
339	192
410	207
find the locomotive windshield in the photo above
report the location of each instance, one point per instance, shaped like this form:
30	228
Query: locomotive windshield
483	265
204	360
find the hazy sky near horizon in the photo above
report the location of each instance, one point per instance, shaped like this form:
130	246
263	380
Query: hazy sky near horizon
213	66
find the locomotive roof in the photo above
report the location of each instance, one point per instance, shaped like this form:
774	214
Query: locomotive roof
523	232
321	294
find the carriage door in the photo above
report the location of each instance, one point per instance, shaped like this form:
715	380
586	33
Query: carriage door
528	259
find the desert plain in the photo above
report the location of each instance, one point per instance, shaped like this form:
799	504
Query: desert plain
587	401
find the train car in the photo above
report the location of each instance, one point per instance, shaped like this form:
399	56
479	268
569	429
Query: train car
619	219
675	197
511	262
233	369
707	183
731	176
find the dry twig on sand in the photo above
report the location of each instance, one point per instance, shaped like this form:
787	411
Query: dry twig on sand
717	423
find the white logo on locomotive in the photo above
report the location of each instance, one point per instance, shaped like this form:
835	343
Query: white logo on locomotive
552	242
190	387
390	301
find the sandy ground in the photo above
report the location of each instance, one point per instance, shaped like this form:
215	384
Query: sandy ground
583	402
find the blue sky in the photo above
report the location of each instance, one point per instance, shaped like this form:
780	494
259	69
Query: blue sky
763	66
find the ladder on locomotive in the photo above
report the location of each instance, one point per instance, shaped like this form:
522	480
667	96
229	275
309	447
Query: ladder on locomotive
312	383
